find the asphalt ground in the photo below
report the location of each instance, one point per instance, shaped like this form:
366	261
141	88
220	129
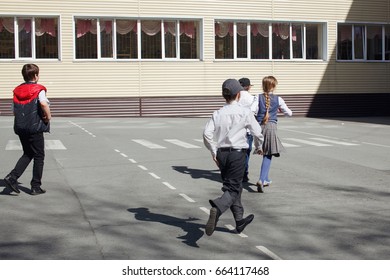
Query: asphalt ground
138	189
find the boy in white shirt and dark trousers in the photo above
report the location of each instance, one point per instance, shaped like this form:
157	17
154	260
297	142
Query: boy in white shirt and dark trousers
228	126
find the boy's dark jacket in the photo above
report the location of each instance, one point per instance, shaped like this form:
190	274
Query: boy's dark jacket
27	110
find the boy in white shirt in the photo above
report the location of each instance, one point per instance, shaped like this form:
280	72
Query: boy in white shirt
228	127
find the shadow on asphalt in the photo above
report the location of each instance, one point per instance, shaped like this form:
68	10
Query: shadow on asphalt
7	191
371	120
213	175
193	230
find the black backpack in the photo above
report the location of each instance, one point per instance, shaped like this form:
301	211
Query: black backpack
29	118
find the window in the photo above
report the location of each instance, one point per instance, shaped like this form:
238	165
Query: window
224	40
126	39
36	38
151	39
7	38
363	42
189	39
242	40
358	40
252	40
259	41
170	33
106	38
280	41
86	38
314	46
374	42
297	40
344	42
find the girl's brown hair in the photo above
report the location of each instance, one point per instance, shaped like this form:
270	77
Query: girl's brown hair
269	84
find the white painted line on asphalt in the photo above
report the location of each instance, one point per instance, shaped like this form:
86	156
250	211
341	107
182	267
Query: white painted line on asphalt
182	144
336	142
154	175
123	155
148	144
117	151
232	228
142	167
54	145
186	197
13	145
308	142
132	160
288	145
204	209
169	185
82	128
269	253
378	145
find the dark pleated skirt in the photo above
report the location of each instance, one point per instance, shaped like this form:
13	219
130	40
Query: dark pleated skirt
272	144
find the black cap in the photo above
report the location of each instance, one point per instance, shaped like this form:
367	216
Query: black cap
245	82
231	87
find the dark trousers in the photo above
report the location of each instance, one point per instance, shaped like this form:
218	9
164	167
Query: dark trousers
232	167
33	148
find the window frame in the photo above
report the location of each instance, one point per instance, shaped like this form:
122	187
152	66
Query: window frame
322	49
33	41
366	39
164	57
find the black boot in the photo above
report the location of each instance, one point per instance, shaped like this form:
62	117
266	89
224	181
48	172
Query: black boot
215	213
37	191
241	224
11	183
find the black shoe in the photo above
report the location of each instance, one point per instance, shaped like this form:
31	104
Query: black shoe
260	187
37	191
212	222
240	225
11	183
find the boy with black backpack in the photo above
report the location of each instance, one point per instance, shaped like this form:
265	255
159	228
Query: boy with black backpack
32	115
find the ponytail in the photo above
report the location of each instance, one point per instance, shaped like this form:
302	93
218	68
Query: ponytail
269	84
267	105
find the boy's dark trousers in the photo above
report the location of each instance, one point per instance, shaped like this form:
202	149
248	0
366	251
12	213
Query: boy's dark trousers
33	148
232	167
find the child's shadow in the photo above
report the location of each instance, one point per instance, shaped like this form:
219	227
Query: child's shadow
8	191
213	175
193	230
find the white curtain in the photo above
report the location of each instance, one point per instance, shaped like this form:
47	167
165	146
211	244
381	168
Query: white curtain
42	25
260	28
151	27
126	26
170	26
7	24
241	29
222	29
281	29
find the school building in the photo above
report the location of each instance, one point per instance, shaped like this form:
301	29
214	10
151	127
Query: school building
150	58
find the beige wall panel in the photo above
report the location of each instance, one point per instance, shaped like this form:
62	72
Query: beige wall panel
71	78
369	11
215	8
299	10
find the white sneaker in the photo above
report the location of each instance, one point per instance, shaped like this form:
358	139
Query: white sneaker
267	183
